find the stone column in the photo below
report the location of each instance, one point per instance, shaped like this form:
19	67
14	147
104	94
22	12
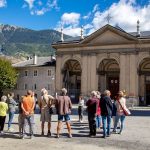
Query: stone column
133	75
84	75
93	77
58	76
123	72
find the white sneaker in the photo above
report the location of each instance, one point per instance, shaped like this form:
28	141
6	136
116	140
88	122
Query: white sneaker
2	133
24	136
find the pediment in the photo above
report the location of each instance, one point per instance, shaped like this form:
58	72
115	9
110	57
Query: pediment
109	35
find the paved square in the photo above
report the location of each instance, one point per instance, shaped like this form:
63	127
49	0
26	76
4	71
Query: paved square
136	135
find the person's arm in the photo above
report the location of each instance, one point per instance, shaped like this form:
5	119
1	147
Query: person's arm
70	104
26	112
32	109
14	102
110	104
87	103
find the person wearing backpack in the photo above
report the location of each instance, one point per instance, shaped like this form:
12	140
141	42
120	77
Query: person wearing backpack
45	103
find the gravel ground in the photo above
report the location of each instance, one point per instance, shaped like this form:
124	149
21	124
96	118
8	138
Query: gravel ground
136	135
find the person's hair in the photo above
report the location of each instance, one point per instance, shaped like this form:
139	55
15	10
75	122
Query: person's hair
29	92
106	92
120	94
44	91
63	91
3	98
93	93
98	94
11	94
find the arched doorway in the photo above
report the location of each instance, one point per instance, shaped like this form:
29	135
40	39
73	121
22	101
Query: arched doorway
108	72
72	79
144	81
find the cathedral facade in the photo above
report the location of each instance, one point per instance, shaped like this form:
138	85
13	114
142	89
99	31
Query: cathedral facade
109	58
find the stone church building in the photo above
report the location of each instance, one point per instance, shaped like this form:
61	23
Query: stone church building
110	58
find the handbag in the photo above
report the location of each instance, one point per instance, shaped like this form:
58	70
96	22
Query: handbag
125	111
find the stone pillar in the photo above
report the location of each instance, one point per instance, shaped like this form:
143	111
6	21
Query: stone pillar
123	72
93	77
84	75
133	75
58	76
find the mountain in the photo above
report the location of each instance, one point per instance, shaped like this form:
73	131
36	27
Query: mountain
16	41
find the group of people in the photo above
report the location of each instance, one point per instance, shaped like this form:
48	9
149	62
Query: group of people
99	107
26	108
7	104
102	107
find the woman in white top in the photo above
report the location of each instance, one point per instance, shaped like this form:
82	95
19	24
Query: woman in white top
121	106
80	108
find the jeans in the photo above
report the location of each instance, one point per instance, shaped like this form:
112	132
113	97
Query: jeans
98	121
30	121
108	119
121	118
11	116
92	123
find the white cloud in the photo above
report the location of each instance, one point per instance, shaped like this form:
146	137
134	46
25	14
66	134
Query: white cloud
96	8
70	18
125	13
38	7
39	12
30	3
87	16
72	31
3	3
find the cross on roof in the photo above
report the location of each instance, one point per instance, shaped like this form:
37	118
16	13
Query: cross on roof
108	18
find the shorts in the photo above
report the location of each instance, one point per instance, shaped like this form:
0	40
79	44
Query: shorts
45	116
66	117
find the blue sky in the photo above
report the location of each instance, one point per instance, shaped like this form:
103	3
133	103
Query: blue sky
71	14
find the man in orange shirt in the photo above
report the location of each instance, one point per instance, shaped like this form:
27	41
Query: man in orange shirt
27	106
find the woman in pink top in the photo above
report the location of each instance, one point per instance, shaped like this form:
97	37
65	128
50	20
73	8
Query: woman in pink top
98	113
120	103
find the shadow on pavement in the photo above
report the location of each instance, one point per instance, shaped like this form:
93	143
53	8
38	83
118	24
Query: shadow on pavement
140	113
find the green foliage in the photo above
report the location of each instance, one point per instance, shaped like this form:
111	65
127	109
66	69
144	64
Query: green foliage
22	40
8	75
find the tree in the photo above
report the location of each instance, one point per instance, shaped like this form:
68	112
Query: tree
8	75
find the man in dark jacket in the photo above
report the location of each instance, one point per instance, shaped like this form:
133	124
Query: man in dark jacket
106	112
92	106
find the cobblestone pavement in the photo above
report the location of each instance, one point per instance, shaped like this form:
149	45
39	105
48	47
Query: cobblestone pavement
136	135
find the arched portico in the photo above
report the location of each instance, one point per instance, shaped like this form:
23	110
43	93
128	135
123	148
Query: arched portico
144	81
108	76
71	80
